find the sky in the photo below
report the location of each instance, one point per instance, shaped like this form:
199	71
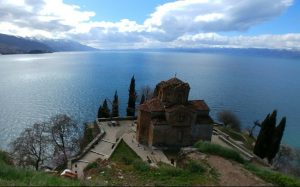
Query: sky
135	24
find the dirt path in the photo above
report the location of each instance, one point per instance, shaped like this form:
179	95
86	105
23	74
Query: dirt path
232	174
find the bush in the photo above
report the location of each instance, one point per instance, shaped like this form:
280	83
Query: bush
195	167
5	158
215	149
228	118
140	166
170	171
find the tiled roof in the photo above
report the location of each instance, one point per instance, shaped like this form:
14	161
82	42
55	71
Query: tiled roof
155	105
174	82
176	107
199	105
152	105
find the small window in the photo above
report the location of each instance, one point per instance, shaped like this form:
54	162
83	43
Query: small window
75	171
75	165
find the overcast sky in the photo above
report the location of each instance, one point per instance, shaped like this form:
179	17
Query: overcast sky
114	24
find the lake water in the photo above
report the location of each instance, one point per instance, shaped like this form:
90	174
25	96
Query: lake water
35	87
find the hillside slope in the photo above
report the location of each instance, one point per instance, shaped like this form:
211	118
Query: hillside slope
66	45
12	176
18	45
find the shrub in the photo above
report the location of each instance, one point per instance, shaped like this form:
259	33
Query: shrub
140	165
195	167
171	171
4	157
215	149
228	118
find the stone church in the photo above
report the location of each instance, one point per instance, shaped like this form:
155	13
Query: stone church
169	119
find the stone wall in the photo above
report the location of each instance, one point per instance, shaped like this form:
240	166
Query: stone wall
143	125
167	135
201	131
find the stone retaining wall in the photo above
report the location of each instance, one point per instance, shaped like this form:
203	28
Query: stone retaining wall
87	148
117	118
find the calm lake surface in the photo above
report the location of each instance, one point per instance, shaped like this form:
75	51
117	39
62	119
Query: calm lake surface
35	87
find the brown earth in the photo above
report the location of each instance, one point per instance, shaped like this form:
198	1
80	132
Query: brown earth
230	173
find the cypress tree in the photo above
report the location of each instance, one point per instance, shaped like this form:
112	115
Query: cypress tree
100	112
115	107
269	138
142	99
276	139
105	110
131	98
259	148
269	133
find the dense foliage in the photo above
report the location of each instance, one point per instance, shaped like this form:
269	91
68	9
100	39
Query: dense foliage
115	106
269	137
130	111
104	111
229	119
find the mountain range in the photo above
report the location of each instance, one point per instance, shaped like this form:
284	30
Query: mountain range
18	45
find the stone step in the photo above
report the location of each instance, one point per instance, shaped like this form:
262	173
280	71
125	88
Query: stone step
102	154
108	141
84	161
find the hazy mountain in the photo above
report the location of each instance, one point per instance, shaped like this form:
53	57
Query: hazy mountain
66	45
236	51
18	45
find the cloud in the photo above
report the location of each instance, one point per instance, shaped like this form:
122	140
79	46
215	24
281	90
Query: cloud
194	16
47	18
284	41
182	23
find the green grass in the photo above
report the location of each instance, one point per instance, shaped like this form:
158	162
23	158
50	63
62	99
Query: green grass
214	149
267	175
239	136
124	153
139	173
12	176
273	177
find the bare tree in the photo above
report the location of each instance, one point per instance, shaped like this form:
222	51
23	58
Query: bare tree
65	136
147	91
287	160
255	124
31	148
228	118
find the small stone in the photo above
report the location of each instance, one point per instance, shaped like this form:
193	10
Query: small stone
121	177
